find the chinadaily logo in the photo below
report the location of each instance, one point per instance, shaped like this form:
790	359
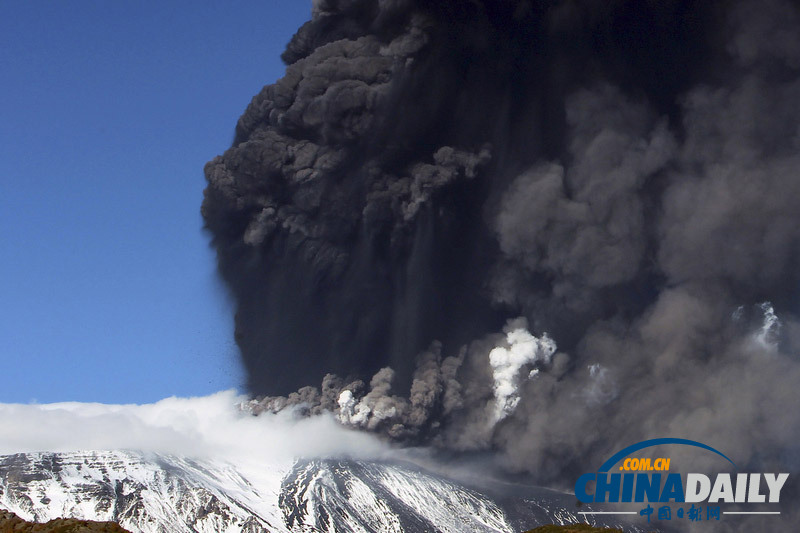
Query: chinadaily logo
666	494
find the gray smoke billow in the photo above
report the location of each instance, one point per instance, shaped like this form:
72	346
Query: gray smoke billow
541	228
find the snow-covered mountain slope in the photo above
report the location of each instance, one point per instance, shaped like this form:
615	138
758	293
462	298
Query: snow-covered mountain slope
152	493
365	497
166	494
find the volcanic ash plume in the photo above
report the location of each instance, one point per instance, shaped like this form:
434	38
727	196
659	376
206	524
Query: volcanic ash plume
623	175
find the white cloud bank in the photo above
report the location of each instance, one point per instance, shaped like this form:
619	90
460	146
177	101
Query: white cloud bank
204	427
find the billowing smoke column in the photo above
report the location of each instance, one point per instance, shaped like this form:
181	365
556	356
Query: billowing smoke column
620	179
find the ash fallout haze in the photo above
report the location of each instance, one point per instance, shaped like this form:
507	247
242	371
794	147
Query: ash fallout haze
545	229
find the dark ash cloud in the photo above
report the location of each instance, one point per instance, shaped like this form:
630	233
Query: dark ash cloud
624	176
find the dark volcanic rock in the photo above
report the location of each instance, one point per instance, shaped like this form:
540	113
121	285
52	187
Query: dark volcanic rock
9	522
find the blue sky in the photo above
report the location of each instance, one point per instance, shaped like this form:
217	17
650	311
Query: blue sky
108	112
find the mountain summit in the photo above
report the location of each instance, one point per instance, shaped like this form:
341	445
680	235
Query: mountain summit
152	493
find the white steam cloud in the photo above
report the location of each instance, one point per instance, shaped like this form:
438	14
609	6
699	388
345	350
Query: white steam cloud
204	427
521	349
767	336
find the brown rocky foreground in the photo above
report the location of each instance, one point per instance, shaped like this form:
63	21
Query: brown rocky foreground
11	523
577	528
